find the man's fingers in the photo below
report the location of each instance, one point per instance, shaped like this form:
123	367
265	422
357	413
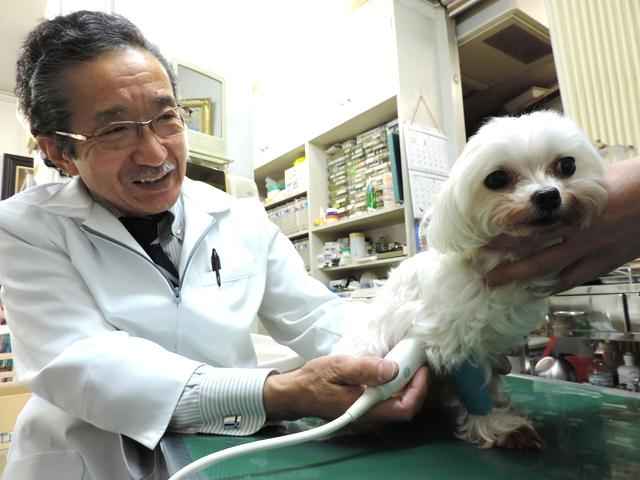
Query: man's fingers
535	266
364	370
531	243
587	269
407	403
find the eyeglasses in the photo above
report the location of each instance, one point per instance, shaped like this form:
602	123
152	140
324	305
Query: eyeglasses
119	135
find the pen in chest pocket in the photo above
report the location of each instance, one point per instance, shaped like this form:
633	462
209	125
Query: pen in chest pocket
215	265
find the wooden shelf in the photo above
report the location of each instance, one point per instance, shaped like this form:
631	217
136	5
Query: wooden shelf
379	218
283	200
365	265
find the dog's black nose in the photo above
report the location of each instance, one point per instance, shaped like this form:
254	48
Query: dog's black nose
547	199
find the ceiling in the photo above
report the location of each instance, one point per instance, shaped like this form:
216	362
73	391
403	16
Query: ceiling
502	63
504	53
17	18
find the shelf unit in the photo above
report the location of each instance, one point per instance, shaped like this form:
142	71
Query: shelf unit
384	263
296	235
405	57
317	192
285	199
375	219
276	167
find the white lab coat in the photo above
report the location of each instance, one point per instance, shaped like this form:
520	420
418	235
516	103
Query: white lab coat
107	344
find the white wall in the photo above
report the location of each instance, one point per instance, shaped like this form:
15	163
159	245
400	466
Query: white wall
13	137
214	36
240	40
243	41
218	36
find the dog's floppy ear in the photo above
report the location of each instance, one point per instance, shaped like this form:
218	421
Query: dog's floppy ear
447	228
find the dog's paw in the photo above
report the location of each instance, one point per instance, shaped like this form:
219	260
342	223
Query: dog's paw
524	438
501	428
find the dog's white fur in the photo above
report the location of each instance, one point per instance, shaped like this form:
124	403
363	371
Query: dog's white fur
440	295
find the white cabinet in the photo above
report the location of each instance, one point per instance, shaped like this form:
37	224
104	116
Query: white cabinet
351	68
279	120
349	84
355	67
368	58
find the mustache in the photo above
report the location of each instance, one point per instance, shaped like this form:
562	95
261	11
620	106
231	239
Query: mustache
146	173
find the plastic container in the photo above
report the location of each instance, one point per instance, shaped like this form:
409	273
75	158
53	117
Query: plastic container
358	245
388	198
332	215
628	373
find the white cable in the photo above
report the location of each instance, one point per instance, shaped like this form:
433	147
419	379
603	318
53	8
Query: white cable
408	353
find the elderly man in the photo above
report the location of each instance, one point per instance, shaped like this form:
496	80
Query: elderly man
130	291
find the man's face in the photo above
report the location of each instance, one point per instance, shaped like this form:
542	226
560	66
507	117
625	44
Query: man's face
127	84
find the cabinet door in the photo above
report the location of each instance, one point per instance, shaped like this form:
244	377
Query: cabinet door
262	128
278	123
369	48
351	68
281	118
358	69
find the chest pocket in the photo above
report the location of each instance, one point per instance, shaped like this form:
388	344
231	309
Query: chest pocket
237	264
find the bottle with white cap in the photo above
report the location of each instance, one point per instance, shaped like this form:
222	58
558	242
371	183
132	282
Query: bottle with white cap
628	373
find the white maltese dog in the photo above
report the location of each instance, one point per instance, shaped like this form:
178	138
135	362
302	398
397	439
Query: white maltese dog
516	176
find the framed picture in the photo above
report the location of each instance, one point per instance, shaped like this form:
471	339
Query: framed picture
17	174
201	114
201	86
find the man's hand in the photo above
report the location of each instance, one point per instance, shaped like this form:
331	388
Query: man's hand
325	387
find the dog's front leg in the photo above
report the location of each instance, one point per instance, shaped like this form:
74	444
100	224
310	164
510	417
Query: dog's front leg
501	426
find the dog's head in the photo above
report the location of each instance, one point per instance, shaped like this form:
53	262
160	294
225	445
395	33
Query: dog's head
518	175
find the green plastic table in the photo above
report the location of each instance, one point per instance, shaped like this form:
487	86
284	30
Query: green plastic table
590	433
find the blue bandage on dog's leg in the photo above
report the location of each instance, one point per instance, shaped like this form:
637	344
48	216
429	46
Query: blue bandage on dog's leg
473	388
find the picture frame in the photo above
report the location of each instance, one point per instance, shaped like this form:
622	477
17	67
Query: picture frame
202	111
16	170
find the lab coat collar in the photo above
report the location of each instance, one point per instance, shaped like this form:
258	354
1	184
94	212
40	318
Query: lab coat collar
205	198
73	200
201	203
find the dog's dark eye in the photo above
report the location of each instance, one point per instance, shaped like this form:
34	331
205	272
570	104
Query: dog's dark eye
497	180
566	166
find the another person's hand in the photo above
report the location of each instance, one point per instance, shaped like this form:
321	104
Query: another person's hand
325	387
582	255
